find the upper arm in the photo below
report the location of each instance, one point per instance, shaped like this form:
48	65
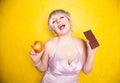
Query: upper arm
48	49
83	49
45	57
84	53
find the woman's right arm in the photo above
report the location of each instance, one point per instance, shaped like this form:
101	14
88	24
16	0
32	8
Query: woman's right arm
40	60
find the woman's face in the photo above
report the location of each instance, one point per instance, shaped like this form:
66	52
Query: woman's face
60	24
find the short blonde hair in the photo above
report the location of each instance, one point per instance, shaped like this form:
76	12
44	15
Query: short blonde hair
54	12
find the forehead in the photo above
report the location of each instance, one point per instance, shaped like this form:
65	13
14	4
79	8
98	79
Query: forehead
57	15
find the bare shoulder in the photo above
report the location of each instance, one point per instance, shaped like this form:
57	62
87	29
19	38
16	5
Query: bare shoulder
50	44
80	42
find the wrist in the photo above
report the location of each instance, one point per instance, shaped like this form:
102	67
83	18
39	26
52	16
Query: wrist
37	63
91	55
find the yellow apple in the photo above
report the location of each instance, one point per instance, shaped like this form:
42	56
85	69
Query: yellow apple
37	47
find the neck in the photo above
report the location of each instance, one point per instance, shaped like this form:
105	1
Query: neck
66	37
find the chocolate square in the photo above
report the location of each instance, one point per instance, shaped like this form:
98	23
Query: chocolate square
92	40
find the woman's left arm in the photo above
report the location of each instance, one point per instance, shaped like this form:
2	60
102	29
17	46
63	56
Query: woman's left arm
88	57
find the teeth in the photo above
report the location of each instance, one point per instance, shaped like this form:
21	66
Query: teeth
61	26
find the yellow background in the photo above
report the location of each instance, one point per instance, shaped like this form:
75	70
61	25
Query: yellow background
24	21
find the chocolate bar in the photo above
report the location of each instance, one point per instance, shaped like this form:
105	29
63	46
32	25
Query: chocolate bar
92	40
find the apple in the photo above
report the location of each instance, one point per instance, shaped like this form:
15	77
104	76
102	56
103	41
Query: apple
37	46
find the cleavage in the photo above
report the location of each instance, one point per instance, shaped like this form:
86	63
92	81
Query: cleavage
69	62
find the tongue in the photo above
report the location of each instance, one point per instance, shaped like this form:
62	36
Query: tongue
62	27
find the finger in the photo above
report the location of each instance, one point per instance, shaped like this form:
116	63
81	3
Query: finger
88	43
32	52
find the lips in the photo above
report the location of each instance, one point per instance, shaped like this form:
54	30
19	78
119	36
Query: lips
61	27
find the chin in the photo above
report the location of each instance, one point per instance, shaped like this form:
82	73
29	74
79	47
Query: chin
64	32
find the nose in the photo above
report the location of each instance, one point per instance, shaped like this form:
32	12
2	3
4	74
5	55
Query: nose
58	20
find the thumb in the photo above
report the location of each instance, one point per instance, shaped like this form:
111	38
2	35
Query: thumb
88	44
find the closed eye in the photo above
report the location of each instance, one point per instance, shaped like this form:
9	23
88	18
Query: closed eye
53	22
61	17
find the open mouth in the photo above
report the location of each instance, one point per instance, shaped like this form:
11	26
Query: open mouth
61	27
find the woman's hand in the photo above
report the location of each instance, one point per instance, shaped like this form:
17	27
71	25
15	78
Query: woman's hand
91	51
36	56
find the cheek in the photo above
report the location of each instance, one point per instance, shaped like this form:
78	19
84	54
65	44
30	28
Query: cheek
54	26
67	21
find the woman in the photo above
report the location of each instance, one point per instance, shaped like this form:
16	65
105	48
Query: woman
64	56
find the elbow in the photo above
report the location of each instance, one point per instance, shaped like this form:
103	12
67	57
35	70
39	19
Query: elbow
87	70
42	69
